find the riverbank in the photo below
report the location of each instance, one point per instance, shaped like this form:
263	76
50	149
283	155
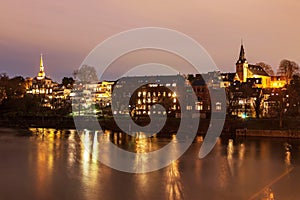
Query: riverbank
268	133
231	125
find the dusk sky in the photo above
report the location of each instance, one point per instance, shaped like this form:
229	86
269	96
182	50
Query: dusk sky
66	31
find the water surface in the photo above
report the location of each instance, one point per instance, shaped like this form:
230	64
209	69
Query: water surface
55	165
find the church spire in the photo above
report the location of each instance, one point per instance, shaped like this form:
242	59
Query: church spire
242	57
41	74
41	62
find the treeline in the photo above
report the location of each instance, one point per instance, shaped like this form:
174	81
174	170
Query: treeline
14	101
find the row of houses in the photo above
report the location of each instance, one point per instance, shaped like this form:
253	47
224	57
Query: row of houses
250	92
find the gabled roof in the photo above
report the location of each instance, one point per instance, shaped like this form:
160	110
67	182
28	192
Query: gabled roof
228	77
258	70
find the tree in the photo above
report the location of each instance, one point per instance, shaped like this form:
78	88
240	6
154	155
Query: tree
287	68
267	68
86	74
68	82
232	99
16	87
3	82
12	88
293	91
257	101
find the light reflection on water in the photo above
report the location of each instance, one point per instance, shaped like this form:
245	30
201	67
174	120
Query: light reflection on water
54	164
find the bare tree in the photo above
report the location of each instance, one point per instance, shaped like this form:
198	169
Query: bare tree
86	74
257	102
266	67
287	68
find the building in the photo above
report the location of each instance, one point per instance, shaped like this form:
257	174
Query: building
152	90
41	84
52	95
249	71
253	73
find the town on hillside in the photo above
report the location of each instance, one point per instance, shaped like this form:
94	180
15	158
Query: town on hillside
252	91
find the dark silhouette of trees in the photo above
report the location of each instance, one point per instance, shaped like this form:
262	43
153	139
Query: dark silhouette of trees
266	67
293	91
11	88
68	82
86	74
232	98
258	95
287	68
3	82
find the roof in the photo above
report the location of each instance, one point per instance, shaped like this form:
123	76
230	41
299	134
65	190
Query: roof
258	70
278	78
198	82
228	76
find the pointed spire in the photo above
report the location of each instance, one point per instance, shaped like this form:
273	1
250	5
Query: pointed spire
41	61
242	57
41	74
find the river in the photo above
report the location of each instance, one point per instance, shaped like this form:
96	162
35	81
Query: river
51	164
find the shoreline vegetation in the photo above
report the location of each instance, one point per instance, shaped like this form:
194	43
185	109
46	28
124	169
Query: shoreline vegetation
232	127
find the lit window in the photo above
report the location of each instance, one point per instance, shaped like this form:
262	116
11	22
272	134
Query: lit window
218	106
189	107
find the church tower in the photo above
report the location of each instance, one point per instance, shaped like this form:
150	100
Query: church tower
41	74
242	65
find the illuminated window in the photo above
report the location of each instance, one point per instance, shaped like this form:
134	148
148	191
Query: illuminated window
199	106
218	106
189	107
